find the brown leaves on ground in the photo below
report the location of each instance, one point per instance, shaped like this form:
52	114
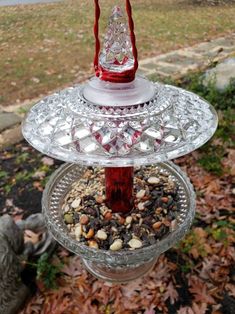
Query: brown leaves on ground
192	278
80	292
200	291
195	309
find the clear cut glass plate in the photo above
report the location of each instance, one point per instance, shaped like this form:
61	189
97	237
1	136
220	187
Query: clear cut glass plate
171	124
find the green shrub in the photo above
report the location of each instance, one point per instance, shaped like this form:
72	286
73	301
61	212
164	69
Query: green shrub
221	100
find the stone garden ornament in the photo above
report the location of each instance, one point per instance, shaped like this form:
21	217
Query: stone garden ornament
120	121
13	251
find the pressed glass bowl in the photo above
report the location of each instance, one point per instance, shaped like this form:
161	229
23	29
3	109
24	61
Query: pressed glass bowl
69	127
124	265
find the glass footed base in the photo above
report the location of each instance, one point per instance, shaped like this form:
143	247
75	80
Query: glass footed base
126	264
118	275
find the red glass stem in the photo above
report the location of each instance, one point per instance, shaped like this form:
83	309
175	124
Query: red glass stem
119	189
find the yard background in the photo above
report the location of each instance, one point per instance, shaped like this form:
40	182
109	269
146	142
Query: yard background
46	46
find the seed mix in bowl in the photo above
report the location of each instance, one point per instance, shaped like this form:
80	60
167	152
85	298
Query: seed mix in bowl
92	223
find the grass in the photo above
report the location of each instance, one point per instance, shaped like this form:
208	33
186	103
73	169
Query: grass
45	47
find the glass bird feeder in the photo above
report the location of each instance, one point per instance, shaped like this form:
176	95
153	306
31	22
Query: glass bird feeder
122	123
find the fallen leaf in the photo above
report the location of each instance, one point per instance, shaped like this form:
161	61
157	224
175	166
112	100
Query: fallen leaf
9	202
37	185
47	161
199	308
199	290
73	268
150	311
39	175
171	293
231	289
185	310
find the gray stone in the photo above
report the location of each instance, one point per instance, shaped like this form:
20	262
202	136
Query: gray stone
179	62
142	72
10	136
221	75
179	59
8	120
150	66
224	42
167	68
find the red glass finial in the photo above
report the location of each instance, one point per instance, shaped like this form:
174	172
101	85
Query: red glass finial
118	61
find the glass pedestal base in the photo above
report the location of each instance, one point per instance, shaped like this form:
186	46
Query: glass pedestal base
118	274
